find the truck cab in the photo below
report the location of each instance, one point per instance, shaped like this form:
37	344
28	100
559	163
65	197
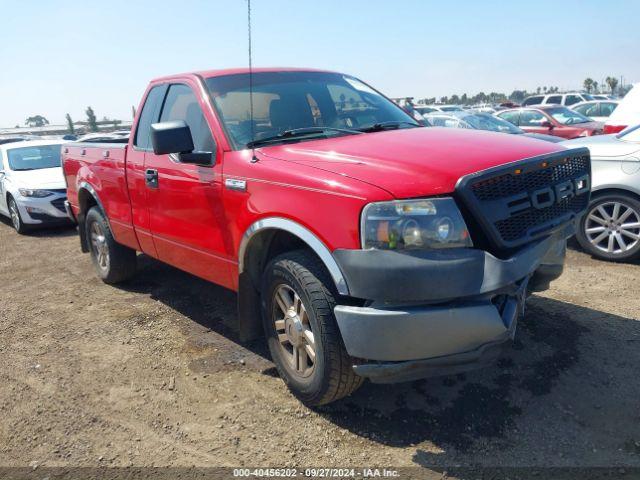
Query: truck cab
361	244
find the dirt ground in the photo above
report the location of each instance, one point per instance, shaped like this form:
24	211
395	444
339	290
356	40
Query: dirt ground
145	374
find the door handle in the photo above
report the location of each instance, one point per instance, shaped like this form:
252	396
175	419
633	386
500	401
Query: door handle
151	178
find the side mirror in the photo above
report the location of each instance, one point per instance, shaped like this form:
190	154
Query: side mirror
175	138
547	124
171	137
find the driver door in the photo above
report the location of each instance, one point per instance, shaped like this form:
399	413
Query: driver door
186	213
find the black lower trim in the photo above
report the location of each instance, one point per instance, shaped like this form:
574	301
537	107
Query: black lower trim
50	219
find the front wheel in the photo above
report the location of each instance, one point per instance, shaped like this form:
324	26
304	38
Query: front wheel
611	228
114	263
304	340
16	218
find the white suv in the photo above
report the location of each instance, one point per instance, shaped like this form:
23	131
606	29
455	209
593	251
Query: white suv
566	99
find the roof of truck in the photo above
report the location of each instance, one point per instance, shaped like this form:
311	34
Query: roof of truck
239	71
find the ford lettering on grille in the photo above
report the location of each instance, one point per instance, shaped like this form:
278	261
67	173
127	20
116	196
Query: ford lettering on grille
522	201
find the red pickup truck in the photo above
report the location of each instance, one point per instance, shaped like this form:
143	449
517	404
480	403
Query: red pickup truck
361	244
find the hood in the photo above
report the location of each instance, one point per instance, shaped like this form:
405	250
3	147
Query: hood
45	178
412	162
604	146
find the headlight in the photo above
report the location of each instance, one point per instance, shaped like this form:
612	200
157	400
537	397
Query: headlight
27	192
414	225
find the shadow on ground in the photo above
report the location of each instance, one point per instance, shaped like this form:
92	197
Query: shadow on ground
455	413
58	231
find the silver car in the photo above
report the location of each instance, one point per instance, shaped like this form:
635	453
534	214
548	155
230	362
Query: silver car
610	229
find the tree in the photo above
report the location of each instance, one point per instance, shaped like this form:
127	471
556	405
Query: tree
613	83
70	127
133	111
36	121
595	87
588	84
91	119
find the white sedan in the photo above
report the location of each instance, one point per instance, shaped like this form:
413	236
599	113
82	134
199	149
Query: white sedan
32	186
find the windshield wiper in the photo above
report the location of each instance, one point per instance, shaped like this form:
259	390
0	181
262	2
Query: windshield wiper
295	133
391	125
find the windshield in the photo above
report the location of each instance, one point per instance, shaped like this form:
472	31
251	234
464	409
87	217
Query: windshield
285	101
567	117
34	158
451	109
630	134
484	121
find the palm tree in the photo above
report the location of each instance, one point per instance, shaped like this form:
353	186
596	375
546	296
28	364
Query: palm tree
613	83
588	84
36	121
70	127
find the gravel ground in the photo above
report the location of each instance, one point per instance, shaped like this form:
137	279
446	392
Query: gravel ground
145	374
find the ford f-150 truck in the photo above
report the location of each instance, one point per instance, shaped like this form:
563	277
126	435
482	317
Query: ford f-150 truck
361	244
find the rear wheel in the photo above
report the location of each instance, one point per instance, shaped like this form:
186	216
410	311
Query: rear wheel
114	263
16	219
304	340
611	228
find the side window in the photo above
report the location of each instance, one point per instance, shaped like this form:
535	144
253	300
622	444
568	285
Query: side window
592	110
554	99
533	100
511	117
148	116
531	118
572	99
607	108
181	104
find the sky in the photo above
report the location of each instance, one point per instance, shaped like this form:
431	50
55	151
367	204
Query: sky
60	56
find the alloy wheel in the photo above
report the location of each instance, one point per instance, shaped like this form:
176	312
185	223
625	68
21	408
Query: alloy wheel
15	215
295	337
613	227
99	246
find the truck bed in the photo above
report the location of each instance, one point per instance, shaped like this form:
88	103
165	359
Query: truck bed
105	164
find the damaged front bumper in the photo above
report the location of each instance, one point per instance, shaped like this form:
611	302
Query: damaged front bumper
438	312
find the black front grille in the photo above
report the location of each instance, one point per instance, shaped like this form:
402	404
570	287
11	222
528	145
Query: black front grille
59	204
516	204
510	184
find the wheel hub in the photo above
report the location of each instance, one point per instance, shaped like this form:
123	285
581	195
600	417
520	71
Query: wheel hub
294	329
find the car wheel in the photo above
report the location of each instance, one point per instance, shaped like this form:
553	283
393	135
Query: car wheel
114	263
611	228
16	219
298	298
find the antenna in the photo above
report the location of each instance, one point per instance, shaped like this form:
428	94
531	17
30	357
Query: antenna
253	133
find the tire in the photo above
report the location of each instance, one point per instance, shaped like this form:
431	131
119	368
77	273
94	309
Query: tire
610	230
329	375
114	263
16	218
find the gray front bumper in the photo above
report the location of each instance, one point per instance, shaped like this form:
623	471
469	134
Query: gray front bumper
469	308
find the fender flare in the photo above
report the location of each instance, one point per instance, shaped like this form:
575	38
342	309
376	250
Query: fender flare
304	234
84	244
